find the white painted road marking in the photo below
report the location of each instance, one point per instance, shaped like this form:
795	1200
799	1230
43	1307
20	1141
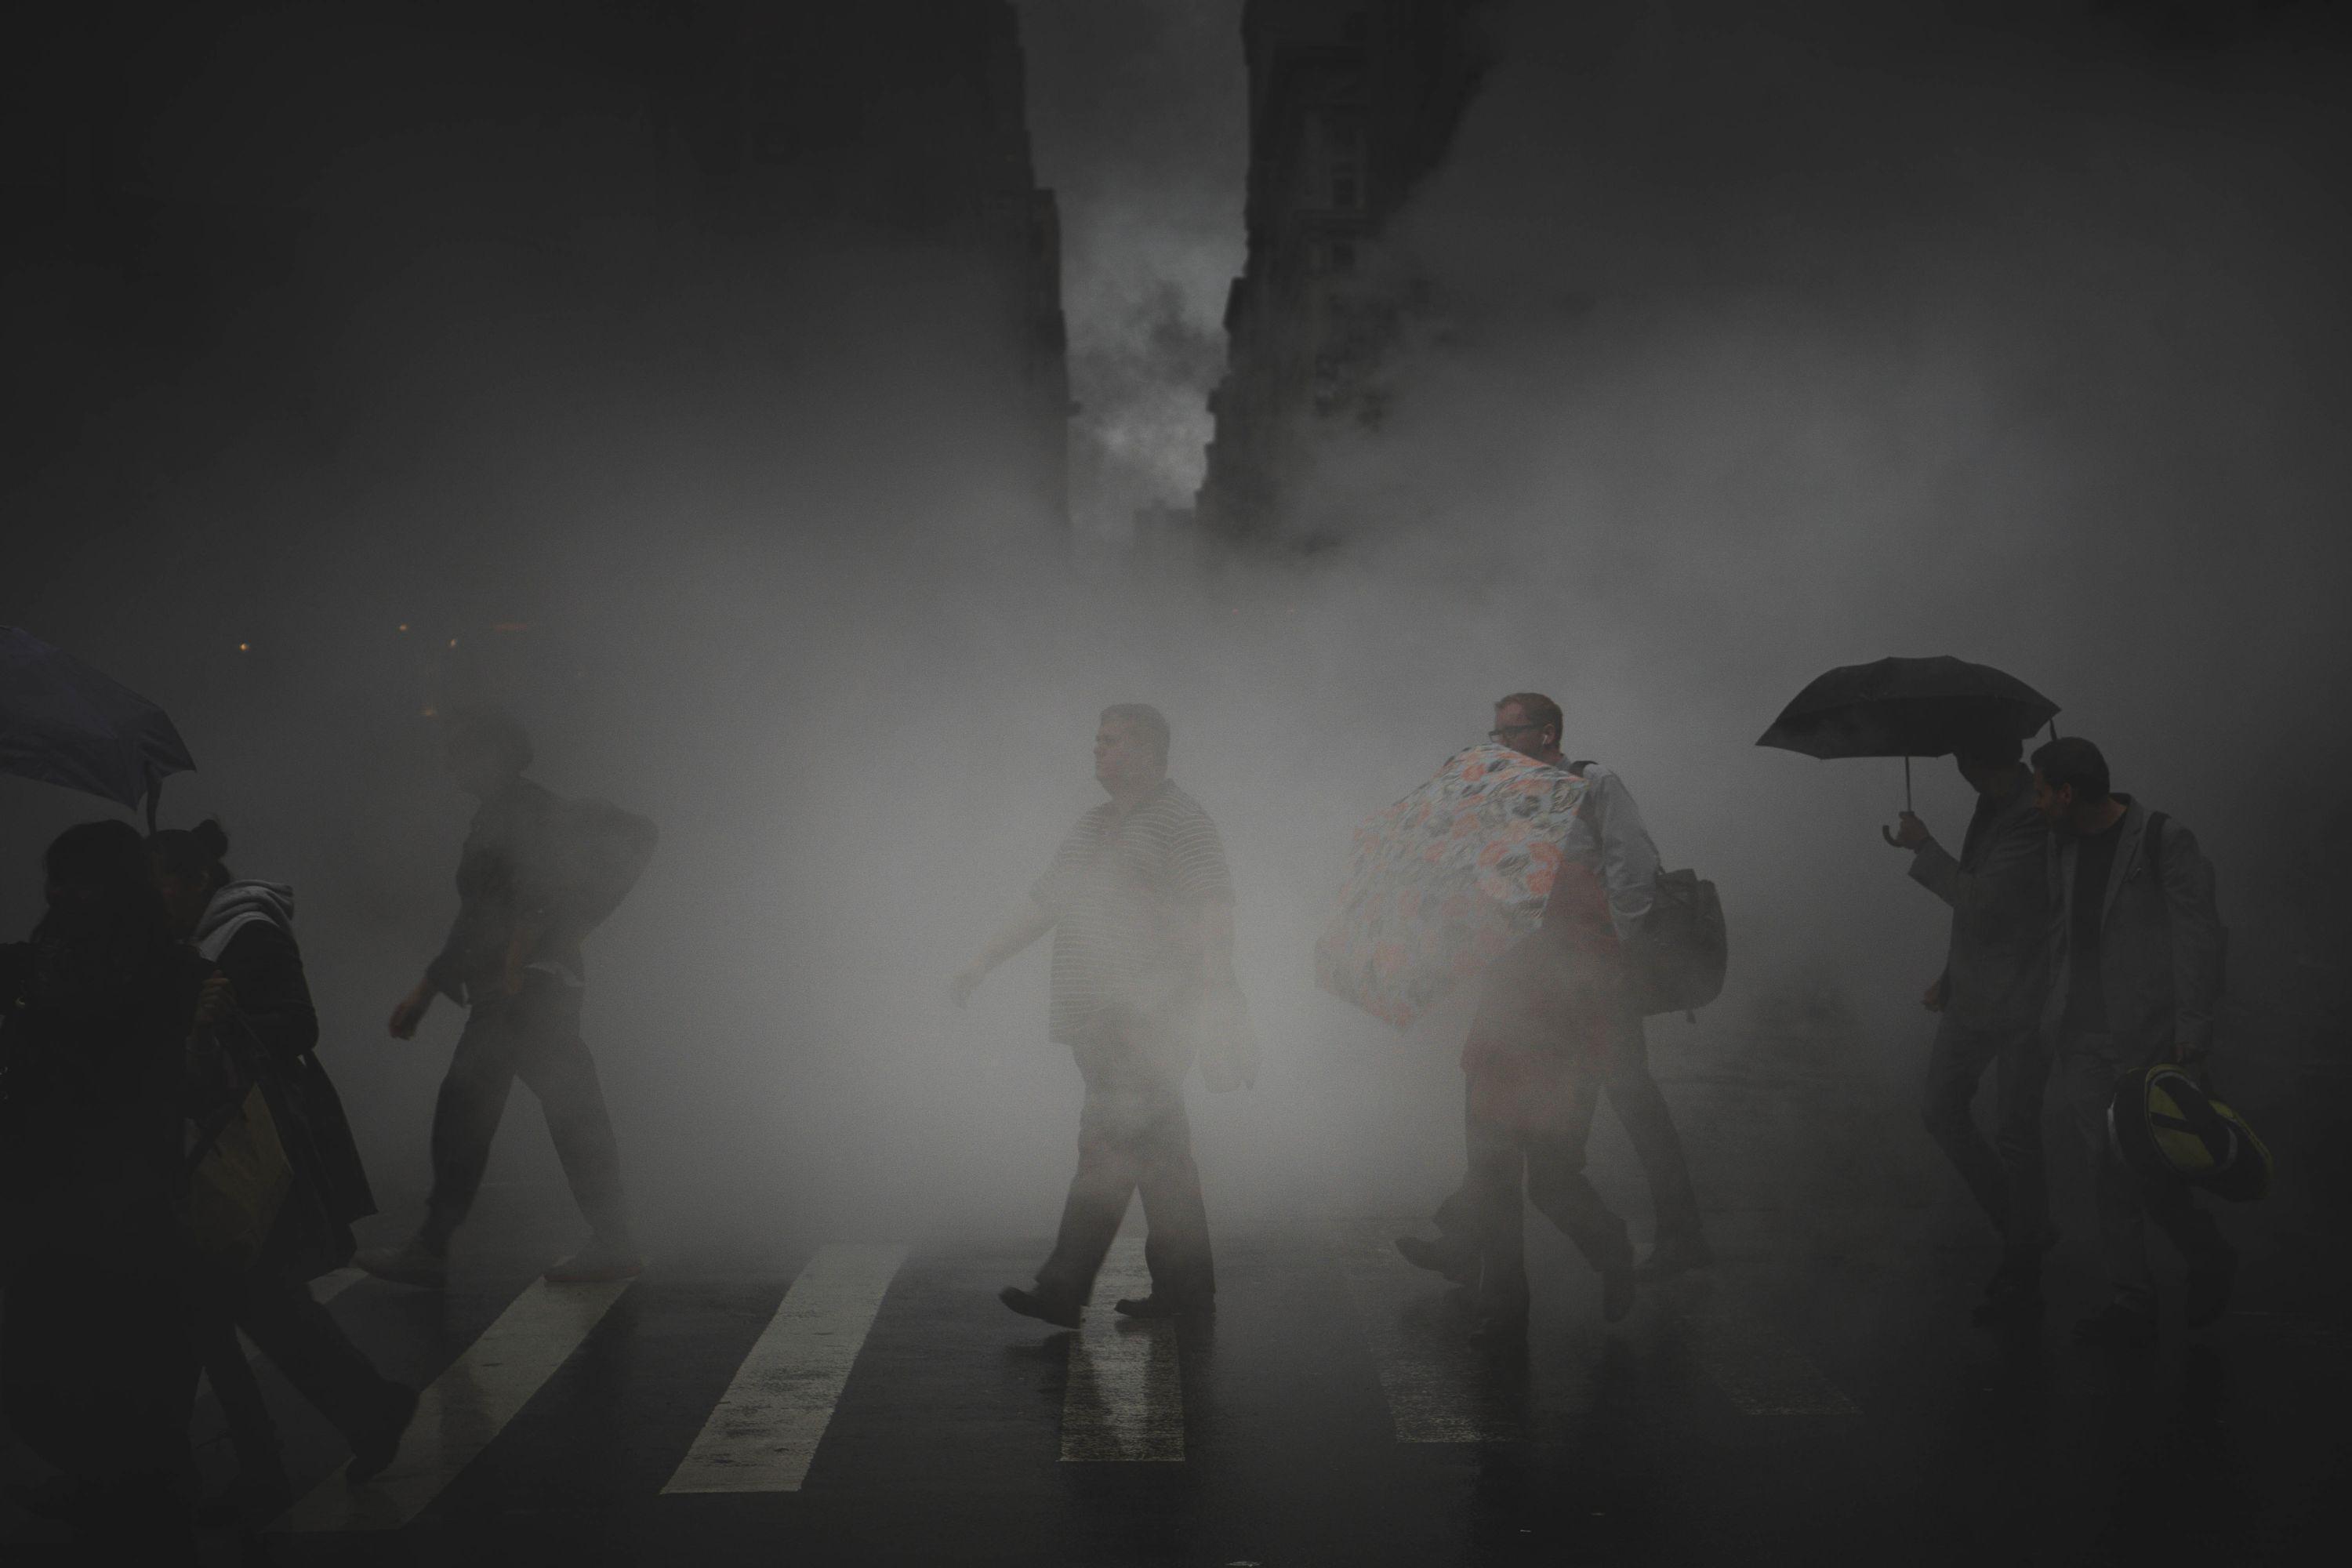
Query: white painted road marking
1125	1396
466	1407
326	1287
1438	1387
1759	1370
765	1431
323	1289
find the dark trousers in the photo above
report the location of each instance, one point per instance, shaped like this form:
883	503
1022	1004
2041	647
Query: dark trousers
534	1037
276	1308
2007	1173
1550	1166
2086	1070
1134	1138
1648	1125
98	1370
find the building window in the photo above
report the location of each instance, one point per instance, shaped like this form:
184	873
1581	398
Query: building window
1341	138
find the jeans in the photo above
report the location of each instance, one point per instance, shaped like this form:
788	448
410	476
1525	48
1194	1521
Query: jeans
2087	1068
272	1302
1648	1125
1493	1220
2008	1173
1134	1138
534	1036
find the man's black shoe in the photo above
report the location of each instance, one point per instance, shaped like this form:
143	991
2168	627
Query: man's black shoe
1457	1265
2118	1326
374	1449
1673	1255
1061	1313
2208	1294
1160	1304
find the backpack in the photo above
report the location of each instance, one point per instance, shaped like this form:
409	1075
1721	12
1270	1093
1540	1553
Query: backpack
2154	839
600	851
1680	952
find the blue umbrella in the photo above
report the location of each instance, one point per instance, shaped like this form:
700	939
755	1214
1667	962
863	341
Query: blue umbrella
64	723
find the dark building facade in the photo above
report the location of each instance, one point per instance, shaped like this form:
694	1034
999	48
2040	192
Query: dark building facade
1351	103
205	183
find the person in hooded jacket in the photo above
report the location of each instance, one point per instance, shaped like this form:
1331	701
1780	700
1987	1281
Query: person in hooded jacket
245	928
97	1365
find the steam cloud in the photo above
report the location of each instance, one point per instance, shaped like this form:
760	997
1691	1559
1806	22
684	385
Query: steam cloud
1756	347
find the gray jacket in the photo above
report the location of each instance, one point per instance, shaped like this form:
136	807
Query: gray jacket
1629	859
1999	892
2159	945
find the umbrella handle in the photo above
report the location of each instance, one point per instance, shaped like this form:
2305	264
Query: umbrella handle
154	798
1906	784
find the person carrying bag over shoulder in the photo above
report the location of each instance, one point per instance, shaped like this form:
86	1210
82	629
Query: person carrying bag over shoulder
274	1176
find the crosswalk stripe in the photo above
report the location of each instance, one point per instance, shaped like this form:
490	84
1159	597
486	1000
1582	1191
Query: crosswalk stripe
1124	1399
765	1431
464	1409
326	1287
323	1289
1430	1372
1759	1370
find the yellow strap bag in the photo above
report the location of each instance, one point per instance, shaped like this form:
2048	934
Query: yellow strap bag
237	1181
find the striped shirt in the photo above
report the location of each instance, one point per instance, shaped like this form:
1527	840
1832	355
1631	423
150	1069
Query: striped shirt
1127	896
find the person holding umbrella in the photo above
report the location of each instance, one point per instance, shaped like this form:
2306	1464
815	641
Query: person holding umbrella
98	1370
1992	983
1988	1003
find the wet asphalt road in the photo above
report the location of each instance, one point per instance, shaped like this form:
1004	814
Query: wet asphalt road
1817	1396
1803	1401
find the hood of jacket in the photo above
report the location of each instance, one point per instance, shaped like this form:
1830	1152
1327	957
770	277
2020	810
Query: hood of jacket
236	905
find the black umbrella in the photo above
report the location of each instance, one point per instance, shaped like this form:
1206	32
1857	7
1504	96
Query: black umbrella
64	723
1907	708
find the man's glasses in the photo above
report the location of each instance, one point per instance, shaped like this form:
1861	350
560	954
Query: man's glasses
1496	734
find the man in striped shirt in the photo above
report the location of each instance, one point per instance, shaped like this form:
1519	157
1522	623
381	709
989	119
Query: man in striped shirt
1140	903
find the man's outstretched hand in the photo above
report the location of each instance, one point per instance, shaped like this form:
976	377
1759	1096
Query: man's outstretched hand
409	1011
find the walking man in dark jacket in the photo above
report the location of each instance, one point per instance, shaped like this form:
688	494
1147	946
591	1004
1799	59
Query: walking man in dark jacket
512	960
1140	903
2135	954
1988	999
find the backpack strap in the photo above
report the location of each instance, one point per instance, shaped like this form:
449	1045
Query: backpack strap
1584	802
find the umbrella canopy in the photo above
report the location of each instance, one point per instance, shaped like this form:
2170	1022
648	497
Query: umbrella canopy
1447	880
1907	708
64	723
